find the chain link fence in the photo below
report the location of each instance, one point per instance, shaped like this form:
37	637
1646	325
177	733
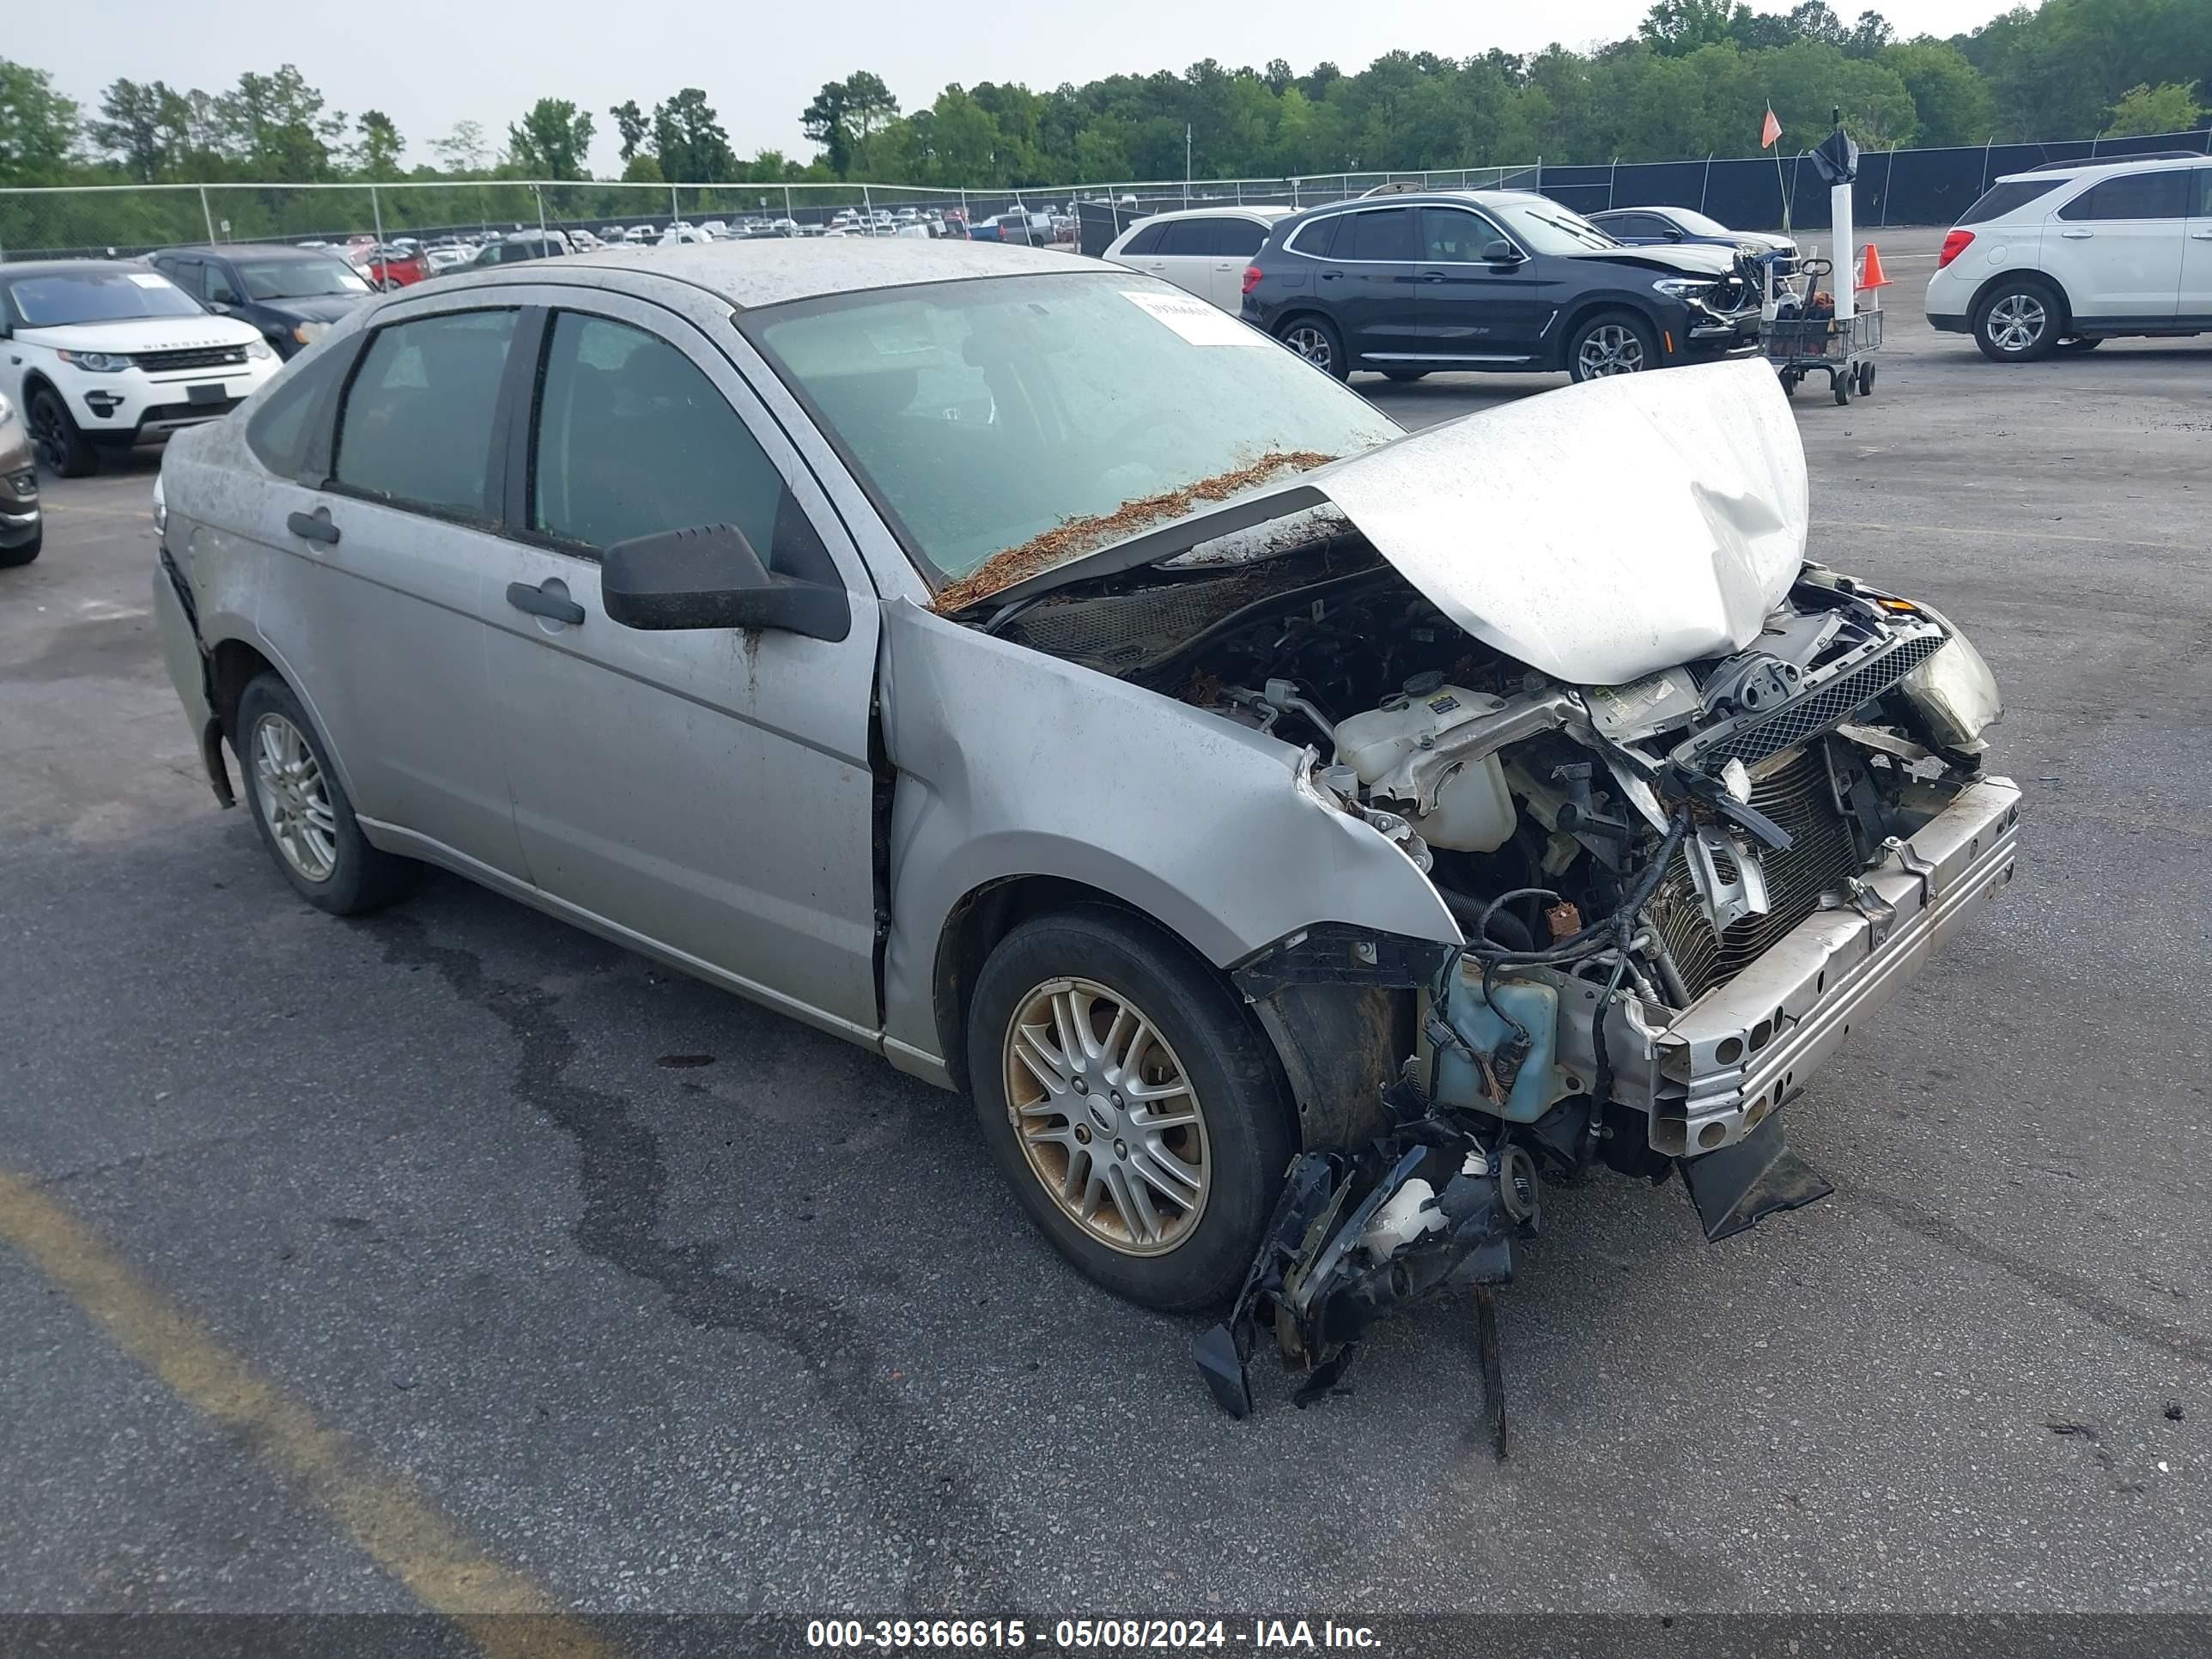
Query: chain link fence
1919	188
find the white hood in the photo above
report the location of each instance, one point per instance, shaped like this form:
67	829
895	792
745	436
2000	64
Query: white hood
1601	532
144	334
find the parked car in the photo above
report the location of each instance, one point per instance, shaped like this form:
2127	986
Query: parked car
101	354
290	294
21	527
1653	226
389	266
523	244
641	235
1178	866
1409	283
2075	253
682	236
1021	226
1203	251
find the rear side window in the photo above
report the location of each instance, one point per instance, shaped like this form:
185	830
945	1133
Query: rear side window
1144	243
281	429
2001	199
1187	238
2136	195
633	439
416	428
1238	238
1384	235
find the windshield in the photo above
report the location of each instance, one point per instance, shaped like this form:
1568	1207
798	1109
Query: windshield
113	294
1697	224
1547	227
299	279
1041	417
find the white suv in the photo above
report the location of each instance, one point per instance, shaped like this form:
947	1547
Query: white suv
2077	252
104	355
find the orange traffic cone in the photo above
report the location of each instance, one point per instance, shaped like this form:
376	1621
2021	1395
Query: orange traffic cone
1870	273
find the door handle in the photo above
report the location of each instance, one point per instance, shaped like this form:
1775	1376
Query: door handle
2077	235
315	526
1330	276
1432	277
2201	235
542	602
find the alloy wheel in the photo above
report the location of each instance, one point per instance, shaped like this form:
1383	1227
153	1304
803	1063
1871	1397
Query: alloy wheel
48	436
1610	348
1106	1116
2017	322
1310	344
295	801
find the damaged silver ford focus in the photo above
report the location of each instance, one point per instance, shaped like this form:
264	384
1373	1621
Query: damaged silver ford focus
1303	839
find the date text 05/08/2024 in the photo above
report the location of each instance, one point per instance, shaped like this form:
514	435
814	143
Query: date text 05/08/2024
1090	1635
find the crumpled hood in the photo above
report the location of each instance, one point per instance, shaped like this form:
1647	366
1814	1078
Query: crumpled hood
1601	532
1687	258
144	334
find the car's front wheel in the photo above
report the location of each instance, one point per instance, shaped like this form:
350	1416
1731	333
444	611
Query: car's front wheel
1315	339
1131	1101
2019	321
65	451
1611	342
24	553
300	808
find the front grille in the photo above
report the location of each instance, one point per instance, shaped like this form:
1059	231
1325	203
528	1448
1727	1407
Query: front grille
1752	741
160	362
1820	854
160	412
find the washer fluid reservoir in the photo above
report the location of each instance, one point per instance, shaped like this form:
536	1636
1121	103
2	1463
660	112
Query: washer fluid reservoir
1475	811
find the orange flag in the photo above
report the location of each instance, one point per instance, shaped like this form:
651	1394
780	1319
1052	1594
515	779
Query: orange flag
1771	131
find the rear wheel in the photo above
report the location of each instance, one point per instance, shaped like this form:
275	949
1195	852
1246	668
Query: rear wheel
1611	342
1405	376
2019	322
1132	1102
1315	339
60	446
300	808
2080	343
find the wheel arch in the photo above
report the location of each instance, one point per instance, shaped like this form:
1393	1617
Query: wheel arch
1595	305
1310	311
2042	279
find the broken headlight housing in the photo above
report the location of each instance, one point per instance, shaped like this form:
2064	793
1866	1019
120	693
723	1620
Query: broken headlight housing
1955	692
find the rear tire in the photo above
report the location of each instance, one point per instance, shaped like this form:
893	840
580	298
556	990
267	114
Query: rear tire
2019	321
300	807
1174	1213
1611	342
1315	339
1405	376
65	451
2080	343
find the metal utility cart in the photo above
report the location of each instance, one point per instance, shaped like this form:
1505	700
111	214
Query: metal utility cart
1843	347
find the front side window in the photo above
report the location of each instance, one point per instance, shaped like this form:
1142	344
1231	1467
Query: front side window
2202	207
633	439
1040	416
96	294
1454	236
2134	196
415	427
217	288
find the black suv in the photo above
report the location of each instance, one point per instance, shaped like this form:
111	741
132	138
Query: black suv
1409	283
290	294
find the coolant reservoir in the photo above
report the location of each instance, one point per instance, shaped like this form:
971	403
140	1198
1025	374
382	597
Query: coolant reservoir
1474	812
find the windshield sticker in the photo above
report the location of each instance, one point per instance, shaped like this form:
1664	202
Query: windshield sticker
148	279
1195	320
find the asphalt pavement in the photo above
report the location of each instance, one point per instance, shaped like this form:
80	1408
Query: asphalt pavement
766	1334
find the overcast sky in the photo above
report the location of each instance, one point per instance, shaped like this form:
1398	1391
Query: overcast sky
429	63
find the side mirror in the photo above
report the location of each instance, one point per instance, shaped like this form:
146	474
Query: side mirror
710	577
1501	253
1674	236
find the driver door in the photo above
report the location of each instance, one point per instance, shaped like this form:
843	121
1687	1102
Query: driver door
707	793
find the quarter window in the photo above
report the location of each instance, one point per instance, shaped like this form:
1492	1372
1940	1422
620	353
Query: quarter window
416	429
283	423
2162	195
1316	238
633	439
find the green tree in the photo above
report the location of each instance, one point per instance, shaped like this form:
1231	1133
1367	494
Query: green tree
631	126
462	150
643	168
2142	110
826	121
1948	93
963	141
278	127
690	141
129	129
1677	28
37	125
377	153
551	140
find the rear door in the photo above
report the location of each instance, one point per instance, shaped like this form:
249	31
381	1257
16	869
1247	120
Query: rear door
1471	311
1377	296
1236	243
707	790
2196	306
387	537
2116	248
1184	255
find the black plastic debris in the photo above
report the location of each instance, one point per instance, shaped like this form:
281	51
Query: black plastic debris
1737	1185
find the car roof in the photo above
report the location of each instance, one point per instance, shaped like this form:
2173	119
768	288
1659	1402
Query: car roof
15	268
249	250
1265	212
770	272
2165	160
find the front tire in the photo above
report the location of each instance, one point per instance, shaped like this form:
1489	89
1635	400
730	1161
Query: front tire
1405	376
1315	339
1611	342
1133	1103
64	450
300	808
2019	321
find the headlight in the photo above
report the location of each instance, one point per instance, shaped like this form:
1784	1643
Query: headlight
160	507
1955	692
308	333
1684	288
96	363
257	349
